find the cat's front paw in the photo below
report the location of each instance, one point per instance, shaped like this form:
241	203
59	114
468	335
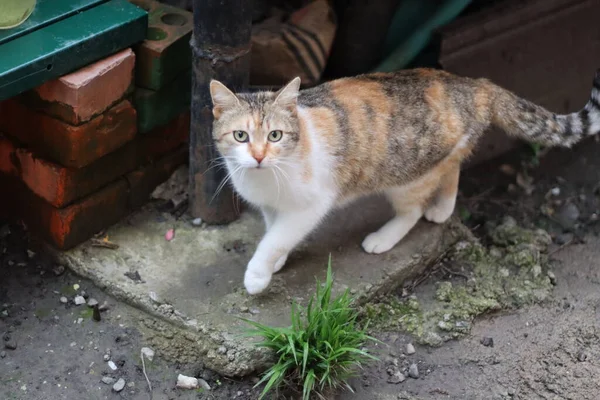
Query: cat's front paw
256	281
378	242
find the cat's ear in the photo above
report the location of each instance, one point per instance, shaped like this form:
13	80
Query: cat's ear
222	98
287	96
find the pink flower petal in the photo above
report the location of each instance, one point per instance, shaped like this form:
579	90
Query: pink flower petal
170	235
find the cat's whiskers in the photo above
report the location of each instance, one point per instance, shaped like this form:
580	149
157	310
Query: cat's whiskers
222	185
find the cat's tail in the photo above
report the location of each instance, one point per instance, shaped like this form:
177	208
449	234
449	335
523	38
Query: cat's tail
523	119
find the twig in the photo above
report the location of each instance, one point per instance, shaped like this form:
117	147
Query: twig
104	243
456	273
562	246
145	374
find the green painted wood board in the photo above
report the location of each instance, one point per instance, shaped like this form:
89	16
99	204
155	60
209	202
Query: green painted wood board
69	44
47	12
156	108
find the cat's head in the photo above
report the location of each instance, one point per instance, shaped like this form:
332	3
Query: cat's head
255	130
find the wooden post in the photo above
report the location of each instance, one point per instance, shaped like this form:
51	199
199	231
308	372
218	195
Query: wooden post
220	50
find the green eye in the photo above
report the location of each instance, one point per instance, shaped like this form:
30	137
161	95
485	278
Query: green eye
275	136
240	136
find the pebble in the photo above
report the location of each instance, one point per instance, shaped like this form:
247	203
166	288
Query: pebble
10	344
104	306
148	353
154	297
413	371
187	382
2	354
58	270
92	302
397	377
555	191
79	300
410	349
197	221
108	380
203	384
568	215
120	385
64	300
552	277
487	341
582	356
112	365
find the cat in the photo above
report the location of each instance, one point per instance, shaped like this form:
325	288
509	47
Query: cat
296	155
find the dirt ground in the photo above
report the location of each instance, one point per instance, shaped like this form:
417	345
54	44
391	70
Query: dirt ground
52	350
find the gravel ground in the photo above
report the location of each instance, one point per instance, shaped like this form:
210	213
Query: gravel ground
53	350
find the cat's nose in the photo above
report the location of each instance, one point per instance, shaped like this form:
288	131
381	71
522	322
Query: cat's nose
259	158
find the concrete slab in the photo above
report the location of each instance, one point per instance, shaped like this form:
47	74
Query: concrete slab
192	287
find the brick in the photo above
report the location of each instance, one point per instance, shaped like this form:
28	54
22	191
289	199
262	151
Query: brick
67	227
68	145
166	51
7	155
61	47
156	108
61	186
79	96
143	181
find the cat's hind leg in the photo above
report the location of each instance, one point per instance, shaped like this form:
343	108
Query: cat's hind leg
408	211
442	205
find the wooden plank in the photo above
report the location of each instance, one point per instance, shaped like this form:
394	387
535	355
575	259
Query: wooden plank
47	12
70	44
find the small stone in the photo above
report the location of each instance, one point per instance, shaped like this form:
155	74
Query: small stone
536	271
568	215
222	350
555	191
120	385
186	382
582	356
76	286
244	309
108	380
197	221
92	302
112	365
148	353
413	371
10	344
106	357
130	385
552	277
154	297
64	300
203	384
30	254
58	270
410	349
397	377
2	354
104	306
254	311
487	341
79	320
79	300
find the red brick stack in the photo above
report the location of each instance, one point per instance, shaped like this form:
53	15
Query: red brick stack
72	161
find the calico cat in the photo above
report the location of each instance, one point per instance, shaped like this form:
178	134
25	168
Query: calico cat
297	155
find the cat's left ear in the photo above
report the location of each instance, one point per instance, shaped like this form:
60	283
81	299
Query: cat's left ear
288	96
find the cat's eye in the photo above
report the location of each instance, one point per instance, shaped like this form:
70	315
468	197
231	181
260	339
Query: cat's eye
241	136
275	136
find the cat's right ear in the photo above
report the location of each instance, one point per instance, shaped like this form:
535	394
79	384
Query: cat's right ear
222	98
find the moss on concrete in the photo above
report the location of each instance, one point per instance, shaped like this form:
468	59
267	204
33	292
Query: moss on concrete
509	272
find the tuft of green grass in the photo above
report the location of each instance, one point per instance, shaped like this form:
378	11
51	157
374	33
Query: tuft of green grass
321	349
